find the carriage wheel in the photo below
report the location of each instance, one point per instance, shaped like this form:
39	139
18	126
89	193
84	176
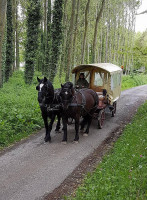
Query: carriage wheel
101	118
114	109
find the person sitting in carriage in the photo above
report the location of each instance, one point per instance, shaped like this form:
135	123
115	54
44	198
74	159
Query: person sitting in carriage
82	82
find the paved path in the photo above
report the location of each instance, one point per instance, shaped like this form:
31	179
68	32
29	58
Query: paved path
32	169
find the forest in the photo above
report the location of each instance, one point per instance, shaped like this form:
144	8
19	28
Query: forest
54	36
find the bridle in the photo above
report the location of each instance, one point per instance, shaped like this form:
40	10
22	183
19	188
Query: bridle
74	97
47	96
68	100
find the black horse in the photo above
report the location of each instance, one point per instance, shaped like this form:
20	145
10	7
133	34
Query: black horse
49	101
77	103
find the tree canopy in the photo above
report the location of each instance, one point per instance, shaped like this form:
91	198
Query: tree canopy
54	36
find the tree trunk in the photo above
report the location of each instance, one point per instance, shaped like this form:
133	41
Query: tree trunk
3	7
9	43
14	30
56	30
69	42
62	64
33	17
17	38
99	14
45	16
85	32
48	41
75	33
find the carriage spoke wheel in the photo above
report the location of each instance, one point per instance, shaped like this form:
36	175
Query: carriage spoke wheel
101	118
114	109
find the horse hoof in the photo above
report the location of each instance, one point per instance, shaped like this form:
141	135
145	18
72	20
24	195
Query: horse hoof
47	139
85	134
75	142
82	131
64	142
57	131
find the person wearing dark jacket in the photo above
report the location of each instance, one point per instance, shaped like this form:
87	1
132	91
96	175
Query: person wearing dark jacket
82	82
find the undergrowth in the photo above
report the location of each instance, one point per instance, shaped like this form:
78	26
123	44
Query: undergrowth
20	114
133	80
122	173
19	110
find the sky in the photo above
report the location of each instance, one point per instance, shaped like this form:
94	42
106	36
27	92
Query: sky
141	20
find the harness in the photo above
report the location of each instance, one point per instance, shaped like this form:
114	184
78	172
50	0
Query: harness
52	106
83	100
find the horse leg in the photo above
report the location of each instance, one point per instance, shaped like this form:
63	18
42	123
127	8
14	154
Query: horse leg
89	120
77	130
47	136
51	122
58	123
83	124
65	120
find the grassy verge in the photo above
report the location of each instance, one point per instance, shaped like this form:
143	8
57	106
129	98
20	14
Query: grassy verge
20	114
133	80
122	173
19	110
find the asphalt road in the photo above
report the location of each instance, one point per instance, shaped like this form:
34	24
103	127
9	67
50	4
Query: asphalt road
32	169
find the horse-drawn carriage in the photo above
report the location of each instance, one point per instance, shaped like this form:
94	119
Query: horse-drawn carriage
105	80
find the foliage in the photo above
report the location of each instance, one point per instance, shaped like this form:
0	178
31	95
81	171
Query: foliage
4	55
133	80
109	34
20	113
48	41
140	50
121	174
56	34
9	42
33	21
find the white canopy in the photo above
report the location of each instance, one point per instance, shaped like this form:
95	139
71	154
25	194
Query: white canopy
104	66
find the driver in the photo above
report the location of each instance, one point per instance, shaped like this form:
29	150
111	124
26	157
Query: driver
82	82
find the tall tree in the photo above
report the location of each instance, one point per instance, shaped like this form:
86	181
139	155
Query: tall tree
56	34
17	36
33	21
9	42
3	7
99	14
85	31
69	41
48	41
75	32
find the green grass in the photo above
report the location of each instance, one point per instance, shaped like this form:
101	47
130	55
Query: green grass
122	174
19	110
133	80
20	114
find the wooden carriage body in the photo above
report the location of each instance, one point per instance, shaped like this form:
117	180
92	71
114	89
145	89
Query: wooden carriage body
101	76
105	80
